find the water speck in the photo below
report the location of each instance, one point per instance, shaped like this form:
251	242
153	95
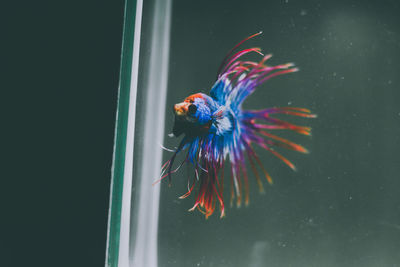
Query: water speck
290	102
281	244
390	82
303	12
350	197
334	74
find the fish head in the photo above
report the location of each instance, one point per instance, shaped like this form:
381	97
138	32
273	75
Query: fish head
193	115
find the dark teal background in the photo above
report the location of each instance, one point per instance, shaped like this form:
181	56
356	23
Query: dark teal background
59	81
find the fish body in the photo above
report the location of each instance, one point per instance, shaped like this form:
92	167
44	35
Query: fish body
217	130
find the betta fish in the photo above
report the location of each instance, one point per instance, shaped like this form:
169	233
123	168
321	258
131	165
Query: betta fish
216	130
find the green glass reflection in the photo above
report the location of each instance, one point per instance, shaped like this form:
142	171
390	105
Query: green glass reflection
117	179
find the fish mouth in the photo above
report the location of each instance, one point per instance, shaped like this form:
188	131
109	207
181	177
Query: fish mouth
180	123
181	109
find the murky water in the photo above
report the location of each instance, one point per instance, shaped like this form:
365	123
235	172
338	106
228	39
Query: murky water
342	206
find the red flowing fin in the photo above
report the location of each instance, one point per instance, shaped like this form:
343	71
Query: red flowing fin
195	206
222	178
200	195
290	145
202	211
253	168
220	199
210	202
269	179
278	155
306	110
271	127
238	186
169	168
239	54
159	180
239	70
232	189
228	56
265	58
249	64
299	129
189	190
168	174
276	74
165	165
246	184
219	189
209	192
278	144
260	67
301	112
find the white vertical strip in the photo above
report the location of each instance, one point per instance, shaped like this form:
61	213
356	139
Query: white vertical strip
123	257
145	240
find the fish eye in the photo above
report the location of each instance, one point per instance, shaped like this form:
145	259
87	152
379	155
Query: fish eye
192	109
